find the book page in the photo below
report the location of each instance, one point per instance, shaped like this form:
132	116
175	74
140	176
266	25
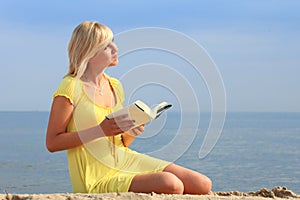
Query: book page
160	108
138	111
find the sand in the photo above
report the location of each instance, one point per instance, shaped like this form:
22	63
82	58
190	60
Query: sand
262	194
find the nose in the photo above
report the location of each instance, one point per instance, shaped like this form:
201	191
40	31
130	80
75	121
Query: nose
114	48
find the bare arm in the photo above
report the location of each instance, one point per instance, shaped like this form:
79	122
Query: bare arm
127	139
130	135
61	112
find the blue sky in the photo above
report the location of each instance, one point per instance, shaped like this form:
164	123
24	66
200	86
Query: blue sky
255	44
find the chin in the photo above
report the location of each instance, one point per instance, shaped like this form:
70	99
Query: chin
114	63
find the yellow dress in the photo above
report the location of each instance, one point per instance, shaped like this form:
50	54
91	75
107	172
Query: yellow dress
104	164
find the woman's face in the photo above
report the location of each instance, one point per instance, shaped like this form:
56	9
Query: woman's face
107	56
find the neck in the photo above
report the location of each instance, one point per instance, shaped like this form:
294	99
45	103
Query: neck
94	72
94	78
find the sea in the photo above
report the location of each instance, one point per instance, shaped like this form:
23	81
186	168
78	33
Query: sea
254	150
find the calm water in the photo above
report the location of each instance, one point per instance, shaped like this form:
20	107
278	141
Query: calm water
255	150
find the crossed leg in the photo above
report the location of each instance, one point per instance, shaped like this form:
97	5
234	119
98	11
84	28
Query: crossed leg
173	180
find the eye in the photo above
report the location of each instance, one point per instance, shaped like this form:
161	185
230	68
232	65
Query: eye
106	46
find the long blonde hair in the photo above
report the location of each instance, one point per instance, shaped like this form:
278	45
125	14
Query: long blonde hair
87	38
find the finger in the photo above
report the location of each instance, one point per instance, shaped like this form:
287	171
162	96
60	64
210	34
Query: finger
112	132
127	128
124	123
131	132
139	128
122	127
121	117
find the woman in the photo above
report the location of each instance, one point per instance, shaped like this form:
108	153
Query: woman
98	154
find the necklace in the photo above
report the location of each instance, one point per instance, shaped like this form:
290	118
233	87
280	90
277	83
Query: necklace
100	90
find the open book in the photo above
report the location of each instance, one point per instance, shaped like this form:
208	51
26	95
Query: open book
140	112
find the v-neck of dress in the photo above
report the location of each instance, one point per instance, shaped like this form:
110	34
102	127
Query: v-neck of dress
97	104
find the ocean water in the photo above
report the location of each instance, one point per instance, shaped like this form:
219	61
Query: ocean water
254	150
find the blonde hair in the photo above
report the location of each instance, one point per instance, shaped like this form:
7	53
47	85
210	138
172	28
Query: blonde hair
87	38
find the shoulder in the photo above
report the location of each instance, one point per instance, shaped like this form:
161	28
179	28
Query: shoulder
114	81
70	82
69	87
117	86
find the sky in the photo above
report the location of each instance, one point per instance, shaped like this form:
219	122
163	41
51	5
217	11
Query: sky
254	44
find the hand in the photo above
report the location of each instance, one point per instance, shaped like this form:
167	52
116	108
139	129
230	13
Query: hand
136	131
117	125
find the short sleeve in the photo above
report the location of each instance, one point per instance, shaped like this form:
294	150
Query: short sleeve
69	88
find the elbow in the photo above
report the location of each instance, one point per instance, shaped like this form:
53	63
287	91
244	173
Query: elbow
50	147
51	150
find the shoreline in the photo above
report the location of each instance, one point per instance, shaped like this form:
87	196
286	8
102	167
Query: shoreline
262	194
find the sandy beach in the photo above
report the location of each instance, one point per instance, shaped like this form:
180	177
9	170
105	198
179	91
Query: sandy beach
264	193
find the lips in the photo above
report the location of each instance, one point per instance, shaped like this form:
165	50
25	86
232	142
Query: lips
114	57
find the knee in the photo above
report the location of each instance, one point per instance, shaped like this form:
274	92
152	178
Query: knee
172	184
206	186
